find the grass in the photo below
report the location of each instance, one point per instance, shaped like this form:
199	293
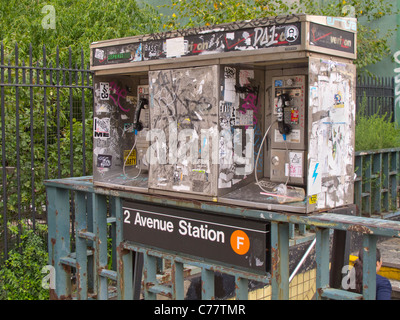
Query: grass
375	132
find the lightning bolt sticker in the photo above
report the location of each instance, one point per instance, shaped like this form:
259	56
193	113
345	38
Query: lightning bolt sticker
314	178
315	174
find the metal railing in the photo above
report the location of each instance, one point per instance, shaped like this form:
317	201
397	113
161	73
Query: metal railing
377	182
98	221
45	130
375	96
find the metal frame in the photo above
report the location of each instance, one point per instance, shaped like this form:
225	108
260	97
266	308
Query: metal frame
90	258
24	86
376	187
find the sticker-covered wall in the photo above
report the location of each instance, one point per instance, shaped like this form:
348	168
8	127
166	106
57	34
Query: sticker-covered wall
206	125
183	113
266	33
331	137
115	102
240	119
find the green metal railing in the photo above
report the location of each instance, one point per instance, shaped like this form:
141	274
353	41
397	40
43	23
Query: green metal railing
98	226
376	187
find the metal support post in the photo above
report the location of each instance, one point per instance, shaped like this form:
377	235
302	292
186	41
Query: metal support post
100	244
241	288
322	259
177	281
369	267
59	240
149	276
81	246
207	284
124	257
280	260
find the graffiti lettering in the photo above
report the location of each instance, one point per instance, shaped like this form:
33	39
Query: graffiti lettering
120	93
262	22
265	36
251	103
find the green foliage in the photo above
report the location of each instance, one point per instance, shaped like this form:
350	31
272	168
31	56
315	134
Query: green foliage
20	275
372	46
196	13
375	132
77	24
20	141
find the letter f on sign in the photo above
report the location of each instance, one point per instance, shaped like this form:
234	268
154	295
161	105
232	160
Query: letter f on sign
240	242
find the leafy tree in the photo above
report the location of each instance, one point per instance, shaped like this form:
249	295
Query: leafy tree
372	45
20	275
77	24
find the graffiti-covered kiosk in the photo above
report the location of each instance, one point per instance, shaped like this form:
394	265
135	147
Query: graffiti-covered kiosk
208	122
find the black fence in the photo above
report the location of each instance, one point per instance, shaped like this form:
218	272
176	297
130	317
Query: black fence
375	95
46	130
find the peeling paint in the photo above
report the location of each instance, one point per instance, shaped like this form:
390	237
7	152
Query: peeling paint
360	229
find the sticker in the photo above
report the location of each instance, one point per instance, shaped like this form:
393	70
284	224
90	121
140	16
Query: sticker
128	127
338	100
104	90
101	128
294	116
296	164
104	161
229	85
132	157
293	137
313	199
314	178
245	76
138	54
99	54
313	92
244	119
175	47
291	33
103	108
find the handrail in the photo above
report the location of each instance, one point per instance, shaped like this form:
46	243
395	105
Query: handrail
92	217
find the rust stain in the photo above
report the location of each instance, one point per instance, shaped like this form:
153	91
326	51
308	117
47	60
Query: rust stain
274	260
78	278
66	268
53	295
360	229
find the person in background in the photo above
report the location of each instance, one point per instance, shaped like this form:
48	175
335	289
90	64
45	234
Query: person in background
383	286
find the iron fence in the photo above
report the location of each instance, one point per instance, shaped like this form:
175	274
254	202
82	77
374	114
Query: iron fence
375	95
46	112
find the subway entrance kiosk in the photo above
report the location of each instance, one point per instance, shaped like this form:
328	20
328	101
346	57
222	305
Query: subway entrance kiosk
254	115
